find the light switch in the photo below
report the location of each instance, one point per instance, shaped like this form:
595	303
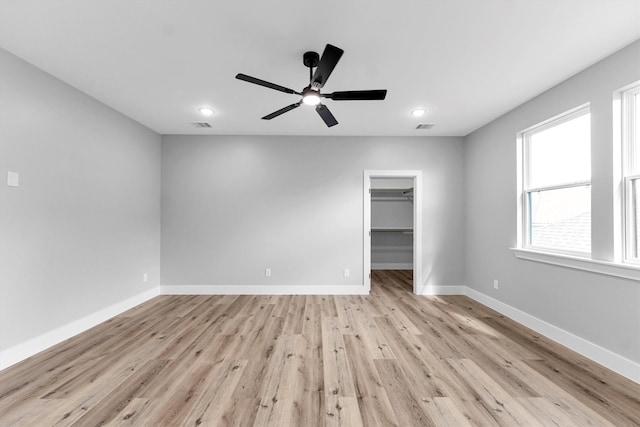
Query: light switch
12	179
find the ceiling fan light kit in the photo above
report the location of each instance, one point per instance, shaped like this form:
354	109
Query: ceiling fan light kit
311	95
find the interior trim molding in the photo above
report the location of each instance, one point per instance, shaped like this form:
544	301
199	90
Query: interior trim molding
428	290
263	290
416	175
615	269
26	349
607	358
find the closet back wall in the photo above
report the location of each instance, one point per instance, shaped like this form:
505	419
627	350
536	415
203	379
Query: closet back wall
233	206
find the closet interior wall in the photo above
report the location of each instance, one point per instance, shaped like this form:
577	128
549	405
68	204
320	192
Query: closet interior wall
392	224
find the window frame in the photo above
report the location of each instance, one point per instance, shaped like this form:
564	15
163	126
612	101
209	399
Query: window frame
526	191
631	143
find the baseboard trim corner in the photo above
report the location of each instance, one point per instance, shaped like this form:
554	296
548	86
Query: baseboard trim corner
29	348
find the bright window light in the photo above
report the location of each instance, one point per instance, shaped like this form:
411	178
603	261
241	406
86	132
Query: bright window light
631	171
556	209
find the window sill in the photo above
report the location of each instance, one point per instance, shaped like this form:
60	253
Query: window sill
625	271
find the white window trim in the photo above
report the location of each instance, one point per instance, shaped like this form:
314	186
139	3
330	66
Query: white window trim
608	268
523	235
629	134
629	218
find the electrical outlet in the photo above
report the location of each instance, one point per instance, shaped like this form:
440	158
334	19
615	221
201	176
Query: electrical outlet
346	272
495	284
145	277
267	272
13	179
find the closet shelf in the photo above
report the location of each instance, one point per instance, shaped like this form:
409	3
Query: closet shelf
392	229
391	194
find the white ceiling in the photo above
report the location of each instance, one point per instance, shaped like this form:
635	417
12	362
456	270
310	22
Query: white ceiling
467	61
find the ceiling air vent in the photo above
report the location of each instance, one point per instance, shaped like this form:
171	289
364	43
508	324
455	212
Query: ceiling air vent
424	126
201	124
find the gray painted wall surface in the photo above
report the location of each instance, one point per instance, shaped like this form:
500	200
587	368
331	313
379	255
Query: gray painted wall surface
83	226
598	308
235	205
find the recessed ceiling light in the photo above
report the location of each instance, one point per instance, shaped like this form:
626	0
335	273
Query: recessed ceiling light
418	112
206	111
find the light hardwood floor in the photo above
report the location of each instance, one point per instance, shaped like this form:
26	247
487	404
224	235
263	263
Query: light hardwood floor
387	359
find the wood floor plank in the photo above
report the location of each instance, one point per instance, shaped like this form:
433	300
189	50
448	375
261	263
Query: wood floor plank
337	372
493	397
444	412
312	330
407	407
215	402
258	349
419	365
375	407
120	397
390	358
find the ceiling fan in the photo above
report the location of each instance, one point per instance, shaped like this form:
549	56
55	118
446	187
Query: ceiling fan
311	94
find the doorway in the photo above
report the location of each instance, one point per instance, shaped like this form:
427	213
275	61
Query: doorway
405	224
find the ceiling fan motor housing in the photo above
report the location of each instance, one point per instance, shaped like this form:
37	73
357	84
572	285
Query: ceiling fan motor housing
310	59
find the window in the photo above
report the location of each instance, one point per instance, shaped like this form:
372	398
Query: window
631	171
556	197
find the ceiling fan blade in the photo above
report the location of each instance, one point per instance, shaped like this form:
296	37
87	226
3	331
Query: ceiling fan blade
281	111
328	61
265	84
326	115
357	95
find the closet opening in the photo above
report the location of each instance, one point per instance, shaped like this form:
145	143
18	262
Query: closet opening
392	226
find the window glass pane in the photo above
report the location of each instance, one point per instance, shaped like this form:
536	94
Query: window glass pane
632	123
635	218
560	154
561	219
637	110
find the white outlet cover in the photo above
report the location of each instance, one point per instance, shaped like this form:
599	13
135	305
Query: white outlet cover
13	179
346	272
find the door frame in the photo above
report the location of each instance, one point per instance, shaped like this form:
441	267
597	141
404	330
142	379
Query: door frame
417	222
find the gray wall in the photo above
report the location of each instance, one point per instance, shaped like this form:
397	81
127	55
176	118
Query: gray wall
235	205
601	309
83	226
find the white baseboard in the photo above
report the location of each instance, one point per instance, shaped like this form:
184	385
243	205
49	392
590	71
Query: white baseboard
613	361
263	290
391	266
441	290
35	345
607	358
